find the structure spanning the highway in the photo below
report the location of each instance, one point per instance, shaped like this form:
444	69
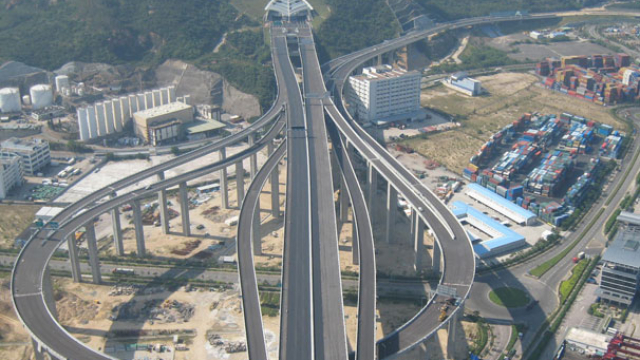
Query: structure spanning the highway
306	115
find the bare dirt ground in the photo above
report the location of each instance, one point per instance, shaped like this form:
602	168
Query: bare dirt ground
510	96
14	219
14	340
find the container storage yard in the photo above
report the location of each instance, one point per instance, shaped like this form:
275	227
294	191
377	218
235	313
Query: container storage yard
545	164
601	79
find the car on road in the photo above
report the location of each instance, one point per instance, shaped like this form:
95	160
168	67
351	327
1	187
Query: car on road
420	209
200	227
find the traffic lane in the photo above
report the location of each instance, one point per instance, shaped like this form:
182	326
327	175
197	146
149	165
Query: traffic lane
256	345
366	330
329	329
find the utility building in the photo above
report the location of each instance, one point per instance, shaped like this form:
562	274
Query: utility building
35	154
382	94
460	82
162	123
10	173
621	269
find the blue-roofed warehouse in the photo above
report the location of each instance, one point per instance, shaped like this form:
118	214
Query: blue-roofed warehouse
505	207
503	240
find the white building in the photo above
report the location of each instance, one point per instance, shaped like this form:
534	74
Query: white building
382	94
47	213
35	154
10	173
113	115
590	342
289	9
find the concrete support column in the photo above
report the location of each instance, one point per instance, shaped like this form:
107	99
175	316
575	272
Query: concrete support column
162	200
453	347
240	182
184	209
47	288
73	259
137	223
117	230
38	350
373	187
344	202
224	190
412	225
255	232
418	243
94	262
392	209
436	258
275	186
253	159
355	242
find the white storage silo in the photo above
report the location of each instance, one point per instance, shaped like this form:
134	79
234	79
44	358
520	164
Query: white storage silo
101	120
172	94
10	100
125	107
62	82
164	92
93	122
83	124
142	102
157	98
80	90
41	96
108	117
187	99
26	99
148	100
117	115
133	104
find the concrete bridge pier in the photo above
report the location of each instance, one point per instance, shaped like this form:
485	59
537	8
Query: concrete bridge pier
255	232
76	275
162	200
137	223
184	209
224	190
253	158
274	182
240	182
117	230
344	201
372	178
40	352
94	261
436	257
418	242
392	209
355	241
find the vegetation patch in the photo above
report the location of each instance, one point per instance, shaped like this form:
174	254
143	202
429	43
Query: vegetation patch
509	297
480	342
476	55
568	285
270	303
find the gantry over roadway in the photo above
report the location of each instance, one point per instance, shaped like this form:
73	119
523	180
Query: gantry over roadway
312	322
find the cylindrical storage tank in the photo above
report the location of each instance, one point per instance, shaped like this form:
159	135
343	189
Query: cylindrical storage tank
157	98
142	102
80	90
101	120
26	99
117	115
165	95
41	96
62	82
148	100
83	124
109	118
172	94
10	100
93	122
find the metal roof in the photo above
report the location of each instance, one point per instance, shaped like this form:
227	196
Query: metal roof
629	218
203	126
526	214
624	249
288	8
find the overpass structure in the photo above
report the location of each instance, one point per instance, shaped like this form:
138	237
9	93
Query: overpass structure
308	114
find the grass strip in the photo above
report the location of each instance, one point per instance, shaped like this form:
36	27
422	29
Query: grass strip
568	285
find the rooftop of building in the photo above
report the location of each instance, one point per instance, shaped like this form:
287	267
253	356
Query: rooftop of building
382	72
502	201
47	211
629	218
624	250
288	7
163	109
588	337
507	236
204	126
22	144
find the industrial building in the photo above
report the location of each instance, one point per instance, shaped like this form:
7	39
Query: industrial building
10	173
112	116
503	240
162	123
34	154
621	268
382	94
461	82
10	100
590	342
501	205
